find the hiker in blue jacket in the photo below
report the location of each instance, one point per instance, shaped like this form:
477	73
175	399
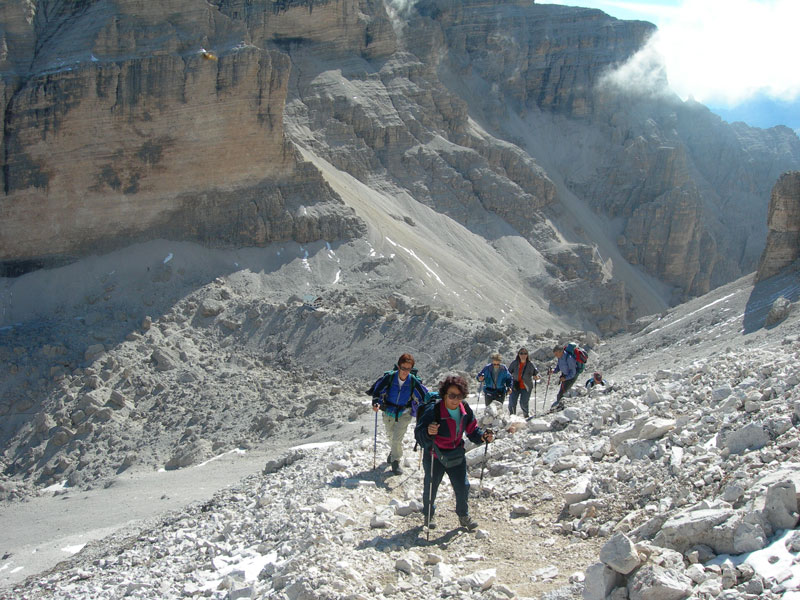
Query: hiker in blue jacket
398	393
568	367
496	380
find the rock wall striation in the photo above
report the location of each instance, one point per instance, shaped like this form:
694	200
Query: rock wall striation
136	120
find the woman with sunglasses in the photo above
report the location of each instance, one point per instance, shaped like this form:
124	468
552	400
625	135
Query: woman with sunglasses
524	376
440	430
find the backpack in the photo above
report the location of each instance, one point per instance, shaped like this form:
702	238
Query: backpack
430	398
379	387
579	354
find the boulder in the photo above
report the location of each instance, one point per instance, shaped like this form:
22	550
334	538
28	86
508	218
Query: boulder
600	581
620	554
652	582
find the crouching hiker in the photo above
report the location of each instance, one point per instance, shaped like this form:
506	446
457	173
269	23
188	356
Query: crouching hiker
440	431
397	393
597	379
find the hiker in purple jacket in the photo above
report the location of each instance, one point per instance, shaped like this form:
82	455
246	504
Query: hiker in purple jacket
568	368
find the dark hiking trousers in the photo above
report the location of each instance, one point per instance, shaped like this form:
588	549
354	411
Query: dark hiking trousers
565	385
492	395
458	479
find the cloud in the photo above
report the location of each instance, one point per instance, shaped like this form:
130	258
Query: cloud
644	73
401	7
721	52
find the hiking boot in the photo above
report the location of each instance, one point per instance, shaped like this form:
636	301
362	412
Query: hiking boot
396	468
468	522
558	406
389	458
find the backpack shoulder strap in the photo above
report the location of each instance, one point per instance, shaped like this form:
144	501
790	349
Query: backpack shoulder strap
468	410
437	412
380	386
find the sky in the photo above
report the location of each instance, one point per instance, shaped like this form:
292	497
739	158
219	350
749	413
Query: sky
738	57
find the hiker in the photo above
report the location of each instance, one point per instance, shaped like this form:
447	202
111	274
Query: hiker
524	375
440	430
568	367
397	393
596	379
496	380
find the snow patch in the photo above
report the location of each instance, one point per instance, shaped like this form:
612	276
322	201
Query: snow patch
413	255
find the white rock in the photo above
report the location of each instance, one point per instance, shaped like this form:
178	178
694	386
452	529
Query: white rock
406	564
538	426
721	393
780	506
443	572
433	559
545	573
599	582
652	582
581	490
620	554
408	508
330	505
555	452
481	580
696	573
752	436
520	510
378	522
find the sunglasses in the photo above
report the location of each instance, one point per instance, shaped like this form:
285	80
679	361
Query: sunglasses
405	368
452	396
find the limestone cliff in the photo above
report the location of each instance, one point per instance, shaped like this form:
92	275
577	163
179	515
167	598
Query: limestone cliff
686	190
136	120
783	239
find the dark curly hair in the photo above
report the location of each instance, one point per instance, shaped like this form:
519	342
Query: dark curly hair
453	380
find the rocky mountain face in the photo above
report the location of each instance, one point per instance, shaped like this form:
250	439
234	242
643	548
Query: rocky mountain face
120	126
214	121
783	240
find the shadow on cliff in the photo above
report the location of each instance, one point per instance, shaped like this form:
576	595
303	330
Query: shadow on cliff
764	294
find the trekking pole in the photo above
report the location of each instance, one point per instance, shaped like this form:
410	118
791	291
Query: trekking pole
483	466
430	502
547	387
375	443
535	383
